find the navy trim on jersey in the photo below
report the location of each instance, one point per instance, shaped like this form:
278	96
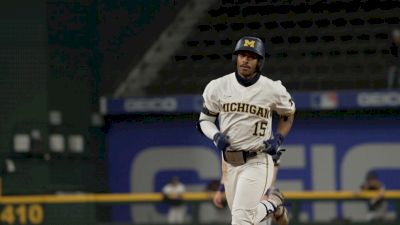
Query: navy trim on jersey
247	82
208	112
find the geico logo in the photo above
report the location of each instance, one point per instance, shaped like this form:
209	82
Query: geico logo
343	168
379	99
149	105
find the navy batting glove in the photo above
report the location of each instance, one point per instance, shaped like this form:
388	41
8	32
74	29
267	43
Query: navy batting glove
221	141
272	145
277	157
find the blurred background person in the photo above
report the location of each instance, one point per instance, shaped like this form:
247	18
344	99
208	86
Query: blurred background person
394	61
173	192
377	206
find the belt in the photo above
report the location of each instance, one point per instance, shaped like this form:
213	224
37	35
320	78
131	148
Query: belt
249	154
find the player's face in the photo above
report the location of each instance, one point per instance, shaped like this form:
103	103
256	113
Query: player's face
247	64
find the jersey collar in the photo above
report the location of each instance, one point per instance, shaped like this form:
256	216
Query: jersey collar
247	82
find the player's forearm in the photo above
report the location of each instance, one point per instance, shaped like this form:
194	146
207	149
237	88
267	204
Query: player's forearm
207	125
285	124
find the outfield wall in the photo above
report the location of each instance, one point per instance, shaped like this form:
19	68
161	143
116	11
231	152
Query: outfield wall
325	151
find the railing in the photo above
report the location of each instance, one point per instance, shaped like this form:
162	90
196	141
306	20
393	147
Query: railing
190	196
32	209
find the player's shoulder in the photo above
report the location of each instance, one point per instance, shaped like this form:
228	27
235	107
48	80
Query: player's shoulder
226	78
221	81
275	84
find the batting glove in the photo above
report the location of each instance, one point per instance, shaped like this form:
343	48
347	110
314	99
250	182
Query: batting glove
272	145
221	141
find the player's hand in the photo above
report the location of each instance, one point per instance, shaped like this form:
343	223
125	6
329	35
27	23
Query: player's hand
221	141
272	145
218	199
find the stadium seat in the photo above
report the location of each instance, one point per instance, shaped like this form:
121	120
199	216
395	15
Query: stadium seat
306	48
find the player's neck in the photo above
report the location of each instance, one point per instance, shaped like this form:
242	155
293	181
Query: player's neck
247	81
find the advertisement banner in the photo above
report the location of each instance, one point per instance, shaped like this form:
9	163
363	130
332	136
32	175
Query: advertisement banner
327	153
305	101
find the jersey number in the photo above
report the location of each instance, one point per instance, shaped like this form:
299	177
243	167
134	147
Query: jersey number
260	128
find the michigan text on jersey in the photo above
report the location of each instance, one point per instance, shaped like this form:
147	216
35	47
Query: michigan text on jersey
246	108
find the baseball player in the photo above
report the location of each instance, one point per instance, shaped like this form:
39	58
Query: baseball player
280	215
243	102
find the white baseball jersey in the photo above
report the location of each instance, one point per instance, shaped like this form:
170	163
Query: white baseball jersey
245	113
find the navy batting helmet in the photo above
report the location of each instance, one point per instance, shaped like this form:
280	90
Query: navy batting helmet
251	44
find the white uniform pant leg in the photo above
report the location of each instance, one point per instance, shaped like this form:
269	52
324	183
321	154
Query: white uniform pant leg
245	185
266	222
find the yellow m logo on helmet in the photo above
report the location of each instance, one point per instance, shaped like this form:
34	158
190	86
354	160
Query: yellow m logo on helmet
249	43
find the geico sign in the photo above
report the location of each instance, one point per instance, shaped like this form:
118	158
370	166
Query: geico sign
151	105
378	99
338	170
